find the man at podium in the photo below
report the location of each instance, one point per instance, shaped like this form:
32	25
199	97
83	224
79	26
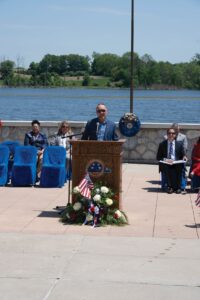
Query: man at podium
100	128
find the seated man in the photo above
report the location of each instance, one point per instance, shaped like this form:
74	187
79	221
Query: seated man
37	139
172	150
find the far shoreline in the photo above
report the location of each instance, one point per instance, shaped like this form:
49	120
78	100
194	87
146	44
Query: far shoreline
97	88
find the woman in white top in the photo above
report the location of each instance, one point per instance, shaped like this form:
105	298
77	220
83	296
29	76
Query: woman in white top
62	138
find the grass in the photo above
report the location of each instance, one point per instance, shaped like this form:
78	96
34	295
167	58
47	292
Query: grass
76	81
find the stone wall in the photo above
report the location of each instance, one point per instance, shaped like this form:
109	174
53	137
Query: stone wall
141	148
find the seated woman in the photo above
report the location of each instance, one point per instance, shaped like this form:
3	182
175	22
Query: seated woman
62	138
38	139
195	167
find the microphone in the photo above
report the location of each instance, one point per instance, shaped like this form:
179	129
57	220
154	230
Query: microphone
71	135
97	128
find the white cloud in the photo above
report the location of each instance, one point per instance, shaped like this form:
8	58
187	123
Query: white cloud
105	10
101	10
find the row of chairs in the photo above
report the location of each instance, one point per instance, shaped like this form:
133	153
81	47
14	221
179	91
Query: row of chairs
19	163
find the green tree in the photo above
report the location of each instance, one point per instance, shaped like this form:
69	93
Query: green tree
196	59
7	69
86	80
149	71
104	63
50	63
33	68
77	63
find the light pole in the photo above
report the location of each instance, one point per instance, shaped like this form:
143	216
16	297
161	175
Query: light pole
132	55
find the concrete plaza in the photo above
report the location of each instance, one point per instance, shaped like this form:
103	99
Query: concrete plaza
156	256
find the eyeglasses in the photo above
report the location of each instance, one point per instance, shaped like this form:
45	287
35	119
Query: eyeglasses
64	126
171	132
101	110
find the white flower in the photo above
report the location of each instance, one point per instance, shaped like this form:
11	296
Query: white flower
109	201
77	206
76	190
118	214
89	217
97	191
97	198
104	189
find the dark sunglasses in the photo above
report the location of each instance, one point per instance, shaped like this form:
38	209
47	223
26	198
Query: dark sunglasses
64	126
101	110
171	132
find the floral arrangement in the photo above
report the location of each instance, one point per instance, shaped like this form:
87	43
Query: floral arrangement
98	209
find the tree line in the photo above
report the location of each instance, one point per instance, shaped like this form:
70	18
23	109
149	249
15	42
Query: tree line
57	70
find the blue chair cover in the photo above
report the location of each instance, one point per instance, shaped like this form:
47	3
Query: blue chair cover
24	167
53	172
4	157
12	146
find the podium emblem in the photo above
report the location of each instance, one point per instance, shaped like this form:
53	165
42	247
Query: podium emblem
95	168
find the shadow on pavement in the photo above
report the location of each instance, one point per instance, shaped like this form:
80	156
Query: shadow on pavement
154	181
153	190
49	214
193	226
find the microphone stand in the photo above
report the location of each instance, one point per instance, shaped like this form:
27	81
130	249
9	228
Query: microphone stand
69	172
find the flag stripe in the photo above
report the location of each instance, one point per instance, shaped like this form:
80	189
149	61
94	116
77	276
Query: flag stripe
85	186
197	201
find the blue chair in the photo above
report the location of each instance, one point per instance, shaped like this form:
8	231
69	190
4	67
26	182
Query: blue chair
24	166
4	157
12	146
53	172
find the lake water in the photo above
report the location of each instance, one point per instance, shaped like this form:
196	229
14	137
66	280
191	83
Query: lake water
79	104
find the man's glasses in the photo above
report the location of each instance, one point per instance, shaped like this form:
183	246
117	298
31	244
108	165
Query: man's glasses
171	132
101	110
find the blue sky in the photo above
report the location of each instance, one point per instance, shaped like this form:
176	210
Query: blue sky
167	30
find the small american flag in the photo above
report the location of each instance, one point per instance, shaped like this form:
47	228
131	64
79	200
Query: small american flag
197	201
85	186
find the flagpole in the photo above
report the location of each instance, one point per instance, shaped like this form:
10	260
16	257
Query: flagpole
132	56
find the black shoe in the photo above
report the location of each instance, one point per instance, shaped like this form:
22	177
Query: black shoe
169	190
37	179
178	191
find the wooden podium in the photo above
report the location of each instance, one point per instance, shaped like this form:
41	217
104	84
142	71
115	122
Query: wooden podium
102	160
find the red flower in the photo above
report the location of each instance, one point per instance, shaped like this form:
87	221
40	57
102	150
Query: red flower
91	209
73	216
116	216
